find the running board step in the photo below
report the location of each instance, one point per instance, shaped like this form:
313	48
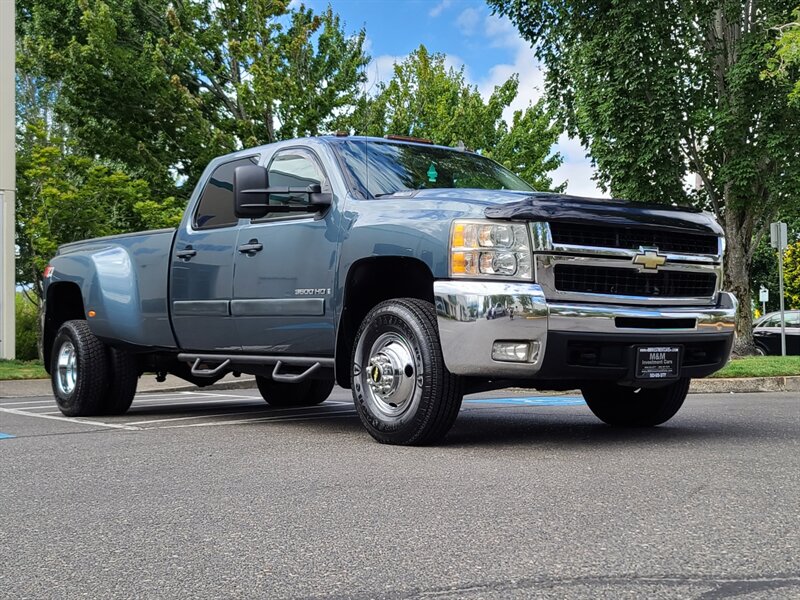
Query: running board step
227	362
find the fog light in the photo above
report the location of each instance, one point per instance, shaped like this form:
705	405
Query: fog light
516	351
511	351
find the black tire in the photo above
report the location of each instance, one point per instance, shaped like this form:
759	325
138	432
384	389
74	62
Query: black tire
123	379
428	395
761	351
623	406
304	393
81	382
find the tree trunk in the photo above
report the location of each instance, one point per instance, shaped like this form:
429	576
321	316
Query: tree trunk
736	263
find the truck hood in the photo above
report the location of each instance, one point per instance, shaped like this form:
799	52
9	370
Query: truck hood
540	206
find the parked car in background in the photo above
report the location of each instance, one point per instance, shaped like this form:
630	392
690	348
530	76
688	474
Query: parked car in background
767	333
497	311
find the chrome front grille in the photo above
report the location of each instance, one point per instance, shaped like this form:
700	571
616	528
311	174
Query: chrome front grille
604	264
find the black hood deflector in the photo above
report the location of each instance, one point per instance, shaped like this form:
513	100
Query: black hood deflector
574	209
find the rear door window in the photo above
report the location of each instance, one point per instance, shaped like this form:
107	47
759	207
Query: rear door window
771	322
215	208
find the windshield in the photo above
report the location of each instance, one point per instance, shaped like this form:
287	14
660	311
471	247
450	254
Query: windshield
381	168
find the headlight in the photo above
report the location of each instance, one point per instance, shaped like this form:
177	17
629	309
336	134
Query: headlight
490	249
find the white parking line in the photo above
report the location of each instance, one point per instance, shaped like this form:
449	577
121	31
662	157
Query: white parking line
24	413
19	403
178	405
246	412
203	416
328	415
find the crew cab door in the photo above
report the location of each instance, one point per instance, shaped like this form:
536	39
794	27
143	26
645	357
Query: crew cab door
285	266
201	277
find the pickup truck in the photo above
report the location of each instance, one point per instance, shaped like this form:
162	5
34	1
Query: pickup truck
408	272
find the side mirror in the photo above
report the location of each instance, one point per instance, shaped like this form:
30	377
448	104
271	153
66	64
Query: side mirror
317	198
250	195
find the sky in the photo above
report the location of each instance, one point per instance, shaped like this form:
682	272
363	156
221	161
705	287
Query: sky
488	46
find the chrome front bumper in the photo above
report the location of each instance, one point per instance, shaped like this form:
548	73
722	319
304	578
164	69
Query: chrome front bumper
473	315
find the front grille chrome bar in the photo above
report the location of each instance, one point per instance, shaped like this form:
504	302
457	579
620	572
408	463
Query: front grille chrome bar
548	255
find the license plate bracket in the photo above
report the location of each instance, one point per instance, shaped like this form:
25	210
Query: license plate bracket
657	363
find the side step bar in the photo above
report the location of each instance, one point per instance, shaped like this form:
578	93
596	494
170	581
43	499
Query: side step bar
228	362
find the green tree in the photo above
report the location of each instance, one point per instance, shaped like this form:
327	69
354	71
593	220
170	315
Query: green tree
426	99
785	64
661	91
161	87
791	275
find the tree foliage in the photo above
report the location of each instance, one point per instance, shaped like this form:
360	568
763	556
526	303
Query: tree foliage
791	275
785	64
162	87
427	99
661	91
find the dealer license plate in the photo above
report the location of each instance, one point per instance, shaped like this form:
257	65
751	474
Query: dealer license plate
658	362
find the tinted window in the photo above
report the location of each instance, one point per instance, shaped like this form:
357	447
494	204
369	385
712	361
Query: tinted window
215	208
294	168
771	322
381	168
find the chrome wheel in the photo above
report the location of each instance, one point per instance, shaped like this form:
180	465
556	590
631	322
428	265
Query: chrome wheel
67	368
390	376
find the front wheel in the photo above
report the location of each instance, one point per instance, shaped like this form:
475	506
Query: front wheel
402	389
631	407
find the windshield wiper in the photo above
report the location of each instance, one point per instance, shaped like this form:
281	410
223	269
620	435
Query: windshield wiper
406	191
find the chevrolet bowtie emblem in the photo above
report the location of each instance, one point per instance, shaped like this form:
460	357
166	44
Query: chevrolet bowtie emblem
649	259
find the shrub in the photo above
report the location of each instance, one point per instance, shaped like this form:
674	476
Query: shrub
27	316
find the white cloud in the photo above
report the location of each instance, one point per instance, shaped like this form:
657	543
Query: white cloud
467	21
440	7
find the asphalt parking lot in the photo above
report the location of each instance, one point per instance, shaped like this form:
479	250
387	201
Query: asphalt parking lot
215	494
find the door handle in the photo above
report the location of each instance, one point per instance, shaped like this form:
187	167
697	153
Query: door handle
251	247
186	254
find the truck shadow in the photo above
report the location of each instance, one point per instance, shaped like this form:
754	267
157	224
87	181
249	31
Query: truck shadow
586	432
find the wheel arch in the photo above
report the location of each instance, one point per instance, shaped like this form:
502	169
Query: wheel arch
369	282
63	302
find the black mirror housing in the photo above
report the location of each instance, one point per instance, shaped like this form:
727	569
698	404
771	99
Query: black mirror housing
250	196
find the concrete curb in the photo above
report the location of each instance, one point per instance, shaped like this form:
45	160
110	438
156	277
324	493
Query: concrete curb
742	385
41	387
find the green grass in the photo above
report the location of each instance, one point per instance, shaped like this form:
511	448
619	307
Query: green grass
22	369
761	366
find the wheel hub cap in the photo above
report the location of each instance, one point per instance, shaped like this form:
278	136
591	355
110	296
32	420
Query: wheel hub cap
391	375
66	368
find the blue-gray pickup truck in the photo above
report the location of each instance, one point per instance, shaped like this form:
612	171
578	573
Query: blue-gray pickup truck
408	272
